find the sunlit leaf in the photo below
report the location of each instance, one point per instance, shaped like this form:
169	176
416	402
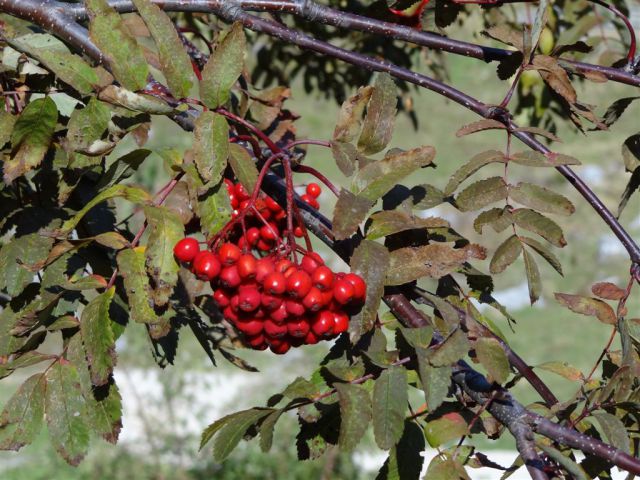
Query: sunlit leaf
23	415
95	327
482	193
355	414
588	306
211	146
472	166
541	199
491	355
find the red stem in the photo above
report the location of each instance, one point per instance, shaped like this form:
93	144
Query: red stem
319	176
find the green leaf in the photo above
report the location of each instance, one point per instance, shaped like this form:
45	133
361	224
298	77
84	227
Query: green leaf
389	404
7	122
123	54
492	357
381	113
614	431
436	381
537	159
266	429
18	253
563	369
85	127
434	260
588	306
22	417
506	254
370	260
95	327
418	337
405	459
349	119
349	212
131	264
166	230
136	102
544	252
243	166
388	222
133	194
427	196
68	431
229	431
450	426
211	146
497	218
30	139
355	414
223	68
482	193
537	223
541	199
174	60
69	68
378	177
214	209
447	469
472	166
533	277
451	350
123	168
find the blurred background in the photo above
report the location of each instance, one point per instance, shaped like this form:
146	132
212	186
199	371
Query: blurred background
165	410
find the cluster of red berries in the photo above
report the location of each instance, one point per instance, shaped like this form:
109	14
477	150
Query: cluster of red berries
272	301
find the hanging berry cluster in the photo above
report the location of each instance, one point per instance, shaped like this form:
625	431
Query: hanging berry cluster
271	298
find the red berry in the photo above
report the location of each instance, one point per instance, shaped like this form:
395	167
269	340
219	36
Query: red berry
241	192
275	283
186	250
298	232
229	314
290	271
343	291
234	303
221	298
298	284
322	278
327	297
247	266
250	326
229	277
229	253
283	265
257	342
252	236
359	286
269	233
308	199
323	323
263	246
281	348
270	302
313	300
310	262
295	341
311	338
280	314
276	330
314	190
264	267
206	266
341	323
249	299
298	328
272	205
295	309
233	200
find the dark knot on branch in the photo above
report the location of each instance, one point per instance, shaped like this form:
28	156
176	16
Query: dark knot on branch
308	9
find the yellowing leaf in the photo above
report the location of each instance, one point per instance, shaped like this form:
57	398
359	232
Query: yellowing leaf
588	306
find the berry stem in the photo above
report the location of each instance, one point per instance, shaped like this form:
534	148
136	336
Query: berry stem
319	176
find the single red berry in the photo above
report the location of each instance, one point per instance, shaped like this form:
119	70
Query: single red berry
313	300
310	262
359	286
249	299
323	323
298	232
314	190
256	342
221	297
264	266
275	283
243	205
263	246
270	302
322	278
233	200
309	200
229	314
283	265
247	265
341	323
343	291
252	236
281	215
290	271
327	297
298	327
229	277
206	266
280	314
234	303
269	233
295	308
280	349
229	253
250	326
272	205
276	330
298	284
186	250
241	192
311	338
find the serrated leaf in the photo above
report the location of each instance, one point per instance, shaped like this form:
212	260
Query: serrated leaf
608	291
480	126
447	469
563	369
378	177
537	223
68	432
213	207
123	54
427	196
491	355
507	253
405	461
450	426
211	146
555	76
370	260
16	255
243	166
136	102
380	118
482	193
541	199
349	212
111	240
95	328
174	60
533	277
544	252
23	414
434	260
349	119
30	139
588	306
223	68
389	404
614	431
266	430
166	230
345	155
497	218
388	222
131	264
233	429
133	194
417	337
537	159
472	166
451	350
85	127
355	414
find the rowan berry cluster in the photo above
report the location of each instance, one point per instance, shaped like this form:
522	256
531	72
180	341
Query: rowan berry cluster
258	285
